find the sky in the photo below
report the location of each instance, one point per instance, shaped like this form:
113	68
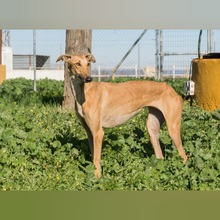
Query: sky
109	46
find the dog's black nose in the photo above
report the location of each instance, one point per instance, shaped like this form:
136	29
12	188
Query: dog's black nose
88	79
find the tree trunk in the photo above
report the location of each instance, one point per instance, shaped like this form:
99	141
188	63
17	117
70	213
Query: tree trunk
0	47
77	42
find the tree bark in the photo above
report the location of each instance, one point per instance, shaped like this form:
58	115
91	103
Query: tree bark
77	42
0	47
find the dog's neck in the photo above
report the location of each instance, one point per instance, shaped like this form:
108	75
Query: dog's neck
77	86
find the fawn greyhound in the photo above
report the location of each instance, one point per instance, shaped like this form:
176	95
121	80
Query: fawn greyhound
102	104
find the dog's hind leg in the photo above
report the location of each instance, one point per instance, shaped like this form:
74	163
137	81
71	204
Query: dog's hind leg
154	122
173	116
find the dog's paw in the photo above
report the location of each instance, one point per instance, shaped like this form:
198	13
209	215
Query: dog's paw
97	174
185	159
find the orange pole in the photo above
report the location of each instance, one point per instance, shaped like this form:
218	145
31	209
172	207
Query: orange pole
205	74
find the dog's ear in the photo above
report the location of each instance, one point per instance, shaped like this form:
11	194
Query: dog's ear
65	57
90	58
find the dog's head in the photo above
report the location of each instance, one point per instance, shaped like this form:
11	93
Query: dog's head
79	65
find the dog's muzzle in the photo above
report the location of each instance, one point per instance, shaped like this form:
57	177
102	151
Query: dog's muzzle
88	79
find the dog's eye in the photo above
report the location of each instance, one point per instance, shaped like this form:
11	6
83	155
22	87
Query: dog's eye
78	64
88	64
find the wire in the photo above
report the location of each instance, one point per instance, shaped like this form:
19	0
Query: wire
199	43
125	56
199	54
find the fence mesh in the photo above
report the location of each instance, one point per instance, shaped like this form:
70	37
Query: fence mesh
176	50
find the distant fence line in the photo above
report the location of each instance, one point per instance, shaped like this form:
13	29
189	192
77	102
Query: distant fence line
133	72
167	51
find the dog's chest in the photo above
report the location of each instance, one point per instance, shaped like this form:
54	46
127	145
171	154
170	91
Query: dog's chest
79	109
78	93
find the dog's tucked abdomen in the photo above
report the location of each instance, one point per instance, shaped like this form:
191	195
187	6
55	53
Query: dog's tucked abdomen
113	120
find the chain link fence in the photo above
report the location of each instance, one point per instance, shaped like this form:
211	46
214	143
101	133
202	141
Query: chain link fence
158	52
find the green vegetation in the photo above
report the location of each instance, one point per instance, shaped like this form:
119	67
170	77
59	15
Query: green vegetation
43	147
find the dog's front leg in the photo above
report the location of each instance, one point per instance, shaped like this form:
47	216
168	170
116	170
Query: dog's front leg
95	134
97	143
89	133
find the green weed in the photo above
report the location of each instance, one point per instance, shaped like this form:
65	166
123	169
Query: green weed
45	148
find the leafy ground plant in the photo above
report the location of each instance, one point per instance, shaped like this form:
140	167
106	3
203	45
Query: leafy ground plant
43	147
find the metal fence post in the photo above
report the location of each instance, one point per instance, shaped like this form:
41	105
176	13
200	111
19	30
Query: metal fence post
139	56
99	73
157	57
174	72
136	71
209	41
34	60
159	54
